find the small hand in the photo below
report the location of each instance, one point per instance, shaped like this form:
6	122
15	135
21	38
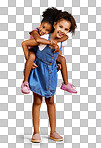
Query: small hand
53	43
58	67
56	49
34	66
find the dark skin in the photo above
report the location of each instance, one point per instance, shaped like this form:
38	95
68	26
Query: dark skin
53	43
30	56
61	61
45	28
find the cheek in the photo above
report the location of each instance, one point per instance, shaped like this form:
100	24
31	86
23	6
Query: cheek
58	28
40	28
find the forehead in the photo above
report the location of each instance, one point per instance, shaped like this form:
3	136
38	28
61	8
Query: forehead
46	24
64	23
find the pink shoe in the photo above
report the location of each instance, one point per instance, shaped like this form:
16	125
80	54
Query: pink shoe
25	88
70	88
36	138
56	137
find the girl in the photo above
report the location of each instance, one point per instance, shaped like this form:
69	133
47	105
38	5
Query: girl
46	27
43	79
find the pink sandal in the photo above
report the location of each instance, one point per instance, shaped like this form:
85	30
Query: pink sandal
36	138
25	88
69	87
56	137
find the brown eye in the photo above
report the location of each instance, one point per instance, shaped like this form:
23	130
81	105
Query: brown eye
60	26
43	26
66	29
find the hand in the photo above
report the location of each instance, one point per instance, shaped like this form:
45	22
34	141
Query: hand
53	43
34	66
56	49
58	67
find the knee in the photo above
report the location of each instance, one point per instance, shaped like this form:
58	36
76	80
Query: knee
22	43
63	60
49	101
37	102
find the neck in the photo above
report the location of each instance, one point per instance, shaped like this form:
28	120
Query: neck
53	36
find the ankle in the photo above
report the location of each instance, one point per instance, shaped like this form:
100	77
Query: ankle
66	83
37	132
25	80
51	132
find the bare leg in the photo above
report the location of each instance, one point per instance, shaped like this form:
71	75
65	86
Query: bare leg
64	72
51	113
28	65
36	111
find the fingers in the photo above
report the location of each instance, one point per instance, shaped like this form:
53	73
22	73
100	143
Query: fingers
34	66
56	50
59	66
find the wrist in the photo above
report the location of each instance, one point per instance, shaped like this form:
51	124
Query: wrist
50	42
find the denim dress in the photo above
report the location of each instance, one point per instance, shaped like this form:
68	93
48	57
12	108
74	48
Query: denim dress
43	79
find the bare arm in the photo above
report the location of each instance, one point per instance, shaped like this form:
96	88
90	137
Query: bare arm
60	53
38	39
62	39
27	43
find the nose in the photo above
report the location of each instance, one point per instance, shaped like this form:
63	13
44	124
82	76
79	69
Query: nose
62	30
43	30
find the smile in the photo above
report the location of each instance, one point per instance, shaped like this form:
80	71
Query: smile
42	33
60	34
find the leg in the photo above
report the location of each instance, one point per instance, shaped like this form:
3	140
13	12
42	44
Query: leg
64	73
65	86
36	111
28	65
51	113
52	119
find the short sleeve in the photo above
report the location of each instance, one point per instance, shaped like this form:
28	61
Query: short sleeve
64	44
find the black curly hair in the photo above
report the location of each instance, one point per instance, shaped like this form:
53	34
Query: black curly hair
67	16
49	15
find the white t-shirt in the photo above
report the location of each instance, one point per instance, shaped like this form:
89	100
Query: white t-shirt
45	36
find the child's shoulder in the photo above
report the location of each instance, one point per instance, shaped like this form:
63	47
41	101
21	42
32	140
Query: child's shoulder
35	29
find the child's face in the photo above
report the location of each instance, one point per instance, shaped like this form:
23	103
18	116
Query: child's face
61	28
45	28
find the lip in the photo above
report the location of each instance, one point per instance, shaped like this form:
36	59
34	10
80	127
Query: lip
60	34
42	33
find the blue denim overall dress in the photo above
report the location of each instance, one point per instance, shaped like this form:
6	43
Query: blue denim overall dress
43	79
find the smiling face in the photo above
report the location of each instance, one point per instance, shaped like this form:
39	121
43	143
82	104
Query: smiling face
45	28
61	28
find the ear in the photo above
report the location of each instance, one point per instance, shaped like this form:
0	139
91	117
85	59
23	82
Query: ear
54	24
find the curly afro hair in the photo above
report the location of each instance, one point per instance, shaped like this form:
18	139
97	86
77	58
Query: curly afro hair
49	15
67	16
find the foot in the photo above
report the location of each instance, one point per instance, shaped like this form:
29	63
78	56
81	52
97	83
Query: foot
69	87
25	88
36	138
56	137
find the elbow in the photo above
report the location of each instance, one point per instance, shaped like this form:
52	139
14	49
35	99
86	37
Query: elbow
23	44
